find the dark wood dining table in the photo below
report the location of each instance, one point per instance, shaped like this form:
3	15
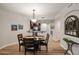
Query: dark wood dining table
39	37
36	39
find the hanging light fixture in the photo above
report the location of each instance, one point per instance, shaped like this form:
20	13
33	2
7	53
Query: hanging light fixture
34	20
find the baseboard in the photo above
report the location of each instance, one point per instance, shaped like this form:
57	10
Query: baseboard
8	45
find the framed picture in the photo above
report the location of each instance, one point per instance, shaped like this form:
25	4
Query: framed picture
20	26
13	27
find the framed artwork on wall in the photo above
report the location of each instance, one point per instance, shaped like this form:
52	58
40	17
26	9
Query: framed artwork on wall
20	27
13	27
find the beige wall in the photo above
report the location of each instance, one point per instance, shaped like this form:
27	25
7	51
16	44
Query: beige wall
8	18
73	10
56	31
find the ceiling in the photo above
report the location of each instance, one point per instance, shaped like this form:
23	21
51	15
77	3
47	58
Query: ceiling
42	10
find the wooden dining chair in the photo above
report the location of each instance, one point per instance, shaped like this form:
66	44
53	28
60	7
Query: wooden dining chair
29	45
45	42
20	40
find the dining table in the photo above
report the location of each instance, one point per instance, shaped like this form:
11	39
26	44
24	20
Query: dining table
39	37
37	40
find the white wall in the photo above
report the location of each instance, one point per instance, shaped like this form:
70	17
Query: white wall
45	27
73	10
8	18
56	31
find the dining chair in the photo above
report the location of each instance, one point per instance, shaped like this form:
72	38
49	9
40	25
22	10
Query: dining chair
44	42
29	45
20	40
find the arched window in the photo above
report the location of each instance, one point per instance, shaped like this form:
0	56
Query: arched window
72	26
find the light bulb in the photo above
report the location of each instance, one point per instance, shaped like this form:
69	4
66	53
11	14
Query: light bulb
34	20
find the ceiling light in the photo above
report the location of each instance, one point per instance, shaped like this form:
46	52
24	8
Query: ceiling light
34	20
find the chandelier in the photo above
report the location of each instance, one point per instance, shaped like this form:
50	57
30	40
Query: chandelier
34	20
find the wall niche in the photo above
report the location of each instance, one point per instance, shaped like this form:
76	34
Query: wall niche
72	26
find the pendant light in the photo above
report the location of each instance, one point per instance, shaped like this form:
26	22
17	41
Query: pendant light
34	20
